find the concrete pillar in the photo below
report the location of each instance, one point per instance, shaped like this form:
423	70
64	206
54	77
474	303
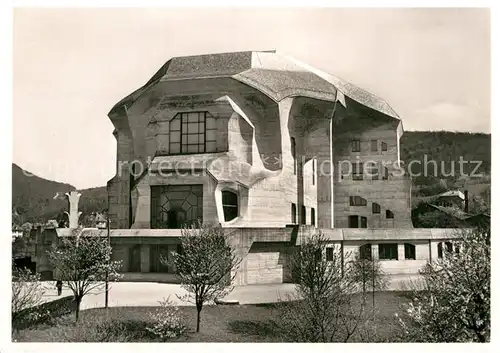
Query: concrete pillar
144	258
73	213
401	251
142	207
375	251
325	174
433	251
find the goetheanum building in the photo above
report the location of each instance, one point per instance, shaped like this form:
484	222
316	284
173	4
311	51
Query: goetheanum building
271	149
255	139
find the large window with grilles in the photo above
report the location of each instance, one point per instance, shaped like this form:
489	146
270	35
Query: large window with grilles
193	132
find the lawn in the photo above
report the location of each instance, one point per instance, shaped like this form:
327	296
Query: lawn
232	323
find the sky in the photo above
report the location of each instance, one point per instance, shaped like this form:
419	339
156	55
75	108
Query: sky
70	66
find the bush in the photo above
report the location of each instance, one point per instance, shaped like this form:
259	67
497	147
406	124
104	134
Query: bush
102	329
166	321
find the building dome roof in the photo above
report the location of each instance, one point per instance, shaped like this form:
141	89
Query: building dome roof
274	74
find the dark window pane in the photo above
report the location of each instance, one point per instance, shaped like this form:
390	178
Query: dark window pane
356	146
229	205
375	208
374	146
388	251
409	251
365	252
329	254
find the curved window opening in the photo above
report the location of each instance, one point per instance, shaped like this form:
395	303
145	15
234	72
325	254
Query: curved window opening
229	205
375	208
389	214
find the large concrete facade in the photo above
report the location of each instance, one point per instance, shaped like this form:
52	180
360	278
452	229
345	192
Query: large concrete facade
271	149
271	131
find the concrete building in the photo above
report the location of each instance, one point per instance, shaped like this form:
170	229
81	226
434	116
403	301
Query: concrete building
270	148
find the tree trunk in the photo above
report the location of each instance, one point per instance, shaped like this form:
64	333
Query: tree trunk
78	300
198	314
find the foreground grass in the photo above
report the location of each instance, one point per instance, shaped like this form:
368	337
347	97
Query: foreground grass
238	323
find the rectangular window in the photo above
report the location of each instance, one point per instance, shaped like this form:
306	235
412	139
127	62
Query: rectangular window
192	132
373	172
385	176
158	252
329	254
313	216
375	208
353	222
388	251
365	252
357	171
364	222
374	145
357	201
409	251
383	146
176	206
294	213
356	146
303	215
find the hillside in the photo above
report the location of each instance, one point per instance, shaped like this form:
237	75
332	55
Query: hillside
33	196
446	148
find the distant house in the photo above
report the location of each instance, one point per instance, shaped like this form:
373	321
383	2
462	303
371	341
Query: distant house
451	217
17	232
101	221
451	198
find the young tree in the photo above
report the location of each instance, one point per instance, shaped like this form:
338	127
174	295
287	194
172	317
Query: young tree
368	274
323	308
454	305
205	266
83	261
27	291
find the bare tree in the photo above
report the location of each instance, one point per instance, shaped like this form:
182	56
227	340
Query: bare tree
27	291
324	307
368	274
82	263
205	265
454	303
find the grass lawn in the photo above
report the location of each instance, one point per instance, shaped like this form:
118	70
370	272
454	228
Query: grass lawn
238	323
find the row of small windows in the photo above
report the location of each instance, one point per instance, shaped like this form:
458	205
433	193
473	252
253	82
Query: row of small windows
374	146
359	201
387	251
303	214
372	172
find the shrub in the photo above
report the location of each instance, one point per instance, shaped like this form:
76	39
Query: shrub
166	321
